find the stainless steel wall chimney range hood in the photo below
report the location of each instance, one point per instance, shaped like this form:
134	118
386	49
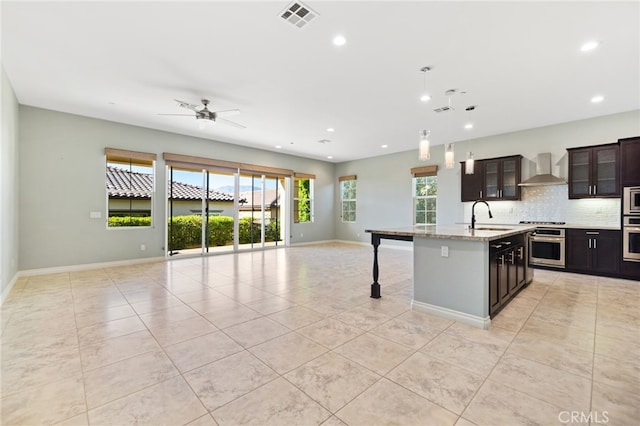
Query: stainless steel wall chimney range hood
543	173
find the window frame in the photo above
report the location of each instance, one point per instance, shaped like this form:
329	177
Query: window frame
300	177
424	172
133	159
347	202
417	198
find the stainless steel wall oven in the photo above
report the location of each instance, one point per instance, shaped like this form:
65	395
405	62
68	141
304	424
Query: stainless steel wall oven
631	238
546	247
631	200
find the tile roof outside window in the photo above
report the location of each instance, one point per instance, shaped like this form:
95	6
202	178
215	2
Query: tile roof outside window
118	181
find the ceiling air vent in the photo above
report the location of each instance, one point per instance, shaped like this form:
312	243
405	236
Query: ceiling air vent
443	109
449	93
298	14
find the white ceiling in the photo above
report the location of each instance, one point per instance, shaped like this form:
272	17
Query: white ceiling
520	62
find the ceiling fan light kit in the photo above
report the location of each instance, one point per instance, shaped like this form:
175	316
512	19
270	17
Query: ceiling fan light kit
205	113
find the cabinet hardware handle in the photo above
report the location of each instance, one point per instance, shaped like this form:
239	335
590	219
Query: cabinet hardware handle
595	189
520	253
506	243
589	242
595	243
592	233
496	246
480	193
502	260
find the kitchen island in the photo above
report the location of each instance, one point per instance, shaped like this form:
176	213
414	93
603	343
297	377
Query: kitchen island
459	273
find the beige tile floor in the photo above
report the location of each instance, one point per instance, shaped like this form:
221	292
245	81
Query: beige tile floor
290	337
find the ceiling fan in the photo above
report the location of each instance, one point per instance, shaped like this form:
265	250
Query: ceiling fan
204	113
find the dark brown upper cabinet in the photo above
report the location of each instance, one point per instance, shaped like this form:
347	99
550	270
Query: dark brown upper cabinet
472	186
630	161
501	178
594	171
493	179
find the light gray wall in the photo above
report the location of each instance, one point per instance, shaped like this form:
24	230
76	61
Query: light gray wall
384	198
61	179
9	212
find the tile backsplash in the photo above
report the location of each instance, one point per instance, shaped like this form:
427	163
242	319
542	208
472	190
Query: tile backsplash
551	203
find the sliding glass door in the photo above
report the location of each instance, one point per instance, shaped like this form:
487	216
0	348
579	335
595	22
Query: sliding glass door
223	211
261	214
220	211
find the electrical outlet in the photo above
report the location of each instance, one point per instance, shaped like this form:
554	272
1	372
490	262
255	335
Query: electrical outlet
444	251
301	235
143	247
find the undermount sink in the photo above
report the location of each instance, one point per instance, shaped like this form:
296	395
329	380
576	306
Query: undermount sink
483	228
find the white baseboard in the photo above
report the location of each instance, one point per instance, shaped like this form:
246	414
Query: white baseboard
8	289
311	243
87	266
462	317
408	246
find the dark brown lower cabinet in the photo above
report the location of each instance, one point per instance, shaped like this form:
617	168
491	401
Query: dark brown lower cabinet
630	270
506	271
593	251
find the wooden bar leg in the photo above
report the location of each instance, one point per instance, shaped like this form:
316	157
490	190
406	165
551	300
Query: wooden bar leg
375	287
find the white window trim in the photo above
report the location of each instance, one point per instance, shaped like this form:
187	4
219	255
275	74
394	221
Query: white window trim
311	203
343	200
421	197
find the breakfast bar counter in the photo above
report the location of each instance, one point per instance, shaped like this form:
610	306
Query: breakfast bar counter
461	273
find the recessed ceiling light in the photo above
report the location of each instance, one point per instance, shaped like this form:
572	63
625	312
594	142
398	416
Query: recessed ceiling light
597	99
329	157
384	146
339	40
590	45
425	97
278	146
468	126
331	129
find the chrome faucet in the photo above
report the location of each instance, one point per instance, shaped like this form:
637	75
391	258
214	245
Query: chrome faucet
473	215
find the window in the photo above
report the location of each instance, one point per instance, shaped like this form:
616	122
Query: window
303	198
130	186
348	196
425	191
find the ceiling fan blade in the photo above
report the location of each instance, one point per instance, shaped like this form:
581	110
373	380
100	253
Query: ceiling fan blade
186	105
230	123
184	115
228	112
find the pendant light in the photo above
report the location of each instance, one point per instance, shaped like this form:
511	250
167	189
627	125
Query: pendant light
449	159
468	164
425	97
423	152
449	156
